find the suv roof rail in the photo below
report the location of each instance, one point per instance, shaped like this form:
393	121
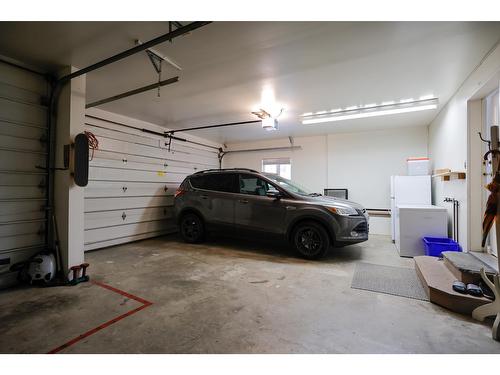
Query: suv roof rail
226	169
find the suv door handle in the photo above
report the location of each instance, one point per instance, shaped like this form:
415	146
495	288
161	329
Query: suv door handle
244	201
204	196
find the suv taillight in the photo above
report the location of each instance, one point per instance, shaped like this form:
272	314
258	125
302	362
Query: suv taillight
179	192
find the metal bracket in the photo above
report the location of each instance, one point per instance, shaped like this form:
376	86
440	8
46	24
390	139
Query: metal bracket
485	140
168	143
220	156
155	60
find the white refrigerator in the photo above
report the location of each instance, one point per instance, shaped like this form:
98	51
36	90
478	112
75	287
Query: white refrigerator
408	190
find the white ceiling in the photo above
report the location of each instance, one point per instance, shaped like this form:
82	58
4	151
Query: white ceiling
311	66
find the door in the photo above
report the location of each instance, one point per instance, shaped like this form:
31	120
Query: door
491	115
216	196
256	212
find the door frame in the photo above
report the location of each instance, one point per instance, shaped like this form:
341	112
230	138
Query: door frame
475	168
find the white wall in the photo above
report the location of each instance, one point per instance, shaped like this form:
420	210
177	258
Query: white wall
361	162
449	141
309	165
364	162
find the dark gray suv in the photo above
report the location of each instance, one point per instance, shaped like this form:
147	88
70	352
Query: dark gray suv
246	202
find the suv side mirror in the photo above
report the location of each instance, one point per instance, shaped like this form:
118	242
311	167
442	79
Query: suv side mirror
273	194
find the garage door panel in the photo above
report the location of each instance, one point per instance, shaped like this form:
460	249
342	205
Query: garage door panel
187	148
106	204
17	229
103	234
128	189
20	241
109	174
8	178
132	179
22	185
19	93
135	149
22	131
14	76
18	207
126	239
121	156
104	219
18	192
153	166
93	123
100	132
147	141
19	160
21	112
22	143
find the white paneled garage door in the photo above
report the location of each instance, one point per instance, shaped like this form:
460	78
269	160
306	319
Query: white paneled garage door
132	180
23	134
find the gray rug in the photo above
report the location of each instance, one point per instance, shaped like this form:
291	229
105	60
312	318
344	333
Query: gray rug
397	281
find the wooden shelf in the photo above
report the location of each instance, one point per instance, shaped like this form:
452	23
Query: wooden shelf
447	174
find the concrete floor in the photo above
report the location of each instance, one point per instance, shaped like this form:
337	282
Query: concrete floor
230	296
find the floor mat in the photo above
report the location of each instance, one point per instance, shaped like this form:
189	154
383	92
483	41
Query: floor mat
397	281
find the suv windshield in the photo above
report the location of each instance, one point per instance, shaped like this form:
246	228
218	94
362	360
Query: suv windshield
289	185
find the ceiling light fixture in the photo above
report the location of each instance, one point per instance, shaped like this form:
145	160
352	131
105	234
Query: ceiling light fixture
269	110
379	110
426	97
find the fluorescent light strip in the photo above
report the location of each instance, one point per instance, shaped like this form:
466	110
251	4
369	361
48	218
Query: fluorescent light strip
352	116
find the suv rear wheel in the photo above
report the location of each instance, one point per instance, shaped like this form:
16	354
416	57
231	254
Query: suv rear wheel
310	240
192	229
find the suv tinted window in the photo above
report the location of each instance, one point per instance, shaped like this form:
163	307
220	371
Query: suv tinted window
225	182
254	185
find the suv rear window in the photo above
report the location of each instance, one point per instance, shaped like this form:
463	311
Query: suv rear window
225	182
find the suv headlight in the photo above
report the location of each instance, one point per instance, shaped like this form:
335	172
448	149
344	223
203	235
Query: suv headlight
345	211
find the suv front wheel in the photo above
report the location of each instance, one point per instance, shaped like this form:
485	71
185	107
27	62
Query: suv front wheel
310	240
191	227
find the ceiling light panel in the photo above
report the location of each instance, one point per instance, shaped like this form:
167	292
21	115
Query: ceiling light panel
373	110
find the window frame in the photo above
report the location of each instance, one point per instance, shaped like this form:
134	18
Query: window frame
278	162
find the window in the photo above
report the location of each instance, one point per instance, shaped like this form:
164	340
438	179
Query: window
337	193
225	182
254	186
279	166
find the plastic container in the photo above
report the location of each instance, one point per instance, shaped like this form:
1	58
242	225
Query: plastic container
418	166
434	246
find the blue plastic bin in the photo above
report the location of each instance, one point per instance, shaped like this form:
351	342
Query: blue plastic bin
434	246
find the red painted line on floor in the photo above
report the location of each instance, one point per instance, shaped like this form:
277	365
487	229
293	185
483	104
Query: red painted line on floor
125	294
109	322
